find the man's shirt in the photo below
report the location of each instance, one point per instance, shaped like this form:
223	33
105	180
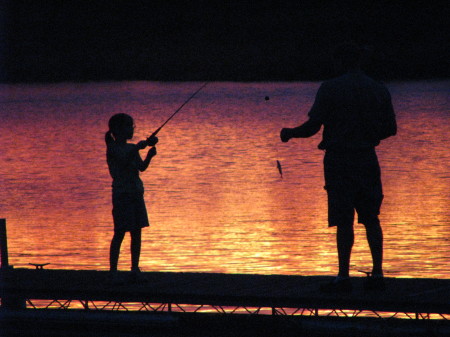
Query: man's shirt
356	112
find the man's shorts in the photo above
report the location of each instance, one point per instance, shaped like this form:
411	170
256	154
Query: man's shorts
353	183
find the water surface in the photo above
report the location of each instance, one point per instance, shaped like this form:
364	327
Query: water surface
215	199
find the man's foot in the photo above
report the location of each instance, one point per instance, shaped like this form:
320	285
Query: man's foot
338	285
374	282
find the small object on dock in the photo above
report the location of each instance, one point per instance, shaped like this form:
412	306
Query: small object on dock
39	265
368	273
3	245
267	98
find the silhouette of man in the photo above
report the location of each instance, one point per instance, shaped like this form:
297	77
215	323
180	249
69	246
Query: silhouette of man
356	113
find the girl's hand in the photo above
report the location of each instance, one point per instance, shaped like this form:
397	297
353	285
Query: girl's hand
152	141
142	144
151	152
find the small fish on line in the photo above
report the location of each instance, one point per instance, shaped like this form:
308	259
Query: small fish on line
279	168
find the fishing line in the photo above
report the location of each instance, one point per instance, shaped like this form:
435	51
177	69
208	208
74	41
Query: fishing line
177	110
278	163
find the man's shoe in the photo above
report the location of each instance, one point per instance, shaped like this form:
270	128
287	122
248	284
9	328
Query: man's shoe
338	285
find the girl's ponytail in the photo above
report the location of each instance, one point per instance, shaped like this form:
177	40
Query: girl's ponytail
109	138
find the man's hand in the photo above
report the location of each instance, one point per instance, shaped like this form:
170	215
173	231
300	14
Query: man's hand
285	134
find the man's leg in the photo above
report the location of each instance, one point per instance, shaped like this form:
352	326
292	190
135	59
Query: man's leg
345	239
375	239
341	214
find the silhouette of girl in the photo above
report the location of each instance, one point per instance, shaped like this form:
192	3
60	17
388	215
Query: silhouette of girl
125	163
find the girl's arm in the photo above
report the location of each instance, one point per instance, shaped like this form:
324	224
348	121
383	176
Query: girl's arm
143	164
150	141
122	155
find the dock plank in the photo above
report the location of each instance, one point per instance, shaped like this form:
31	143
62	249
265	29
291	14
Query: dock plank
291	291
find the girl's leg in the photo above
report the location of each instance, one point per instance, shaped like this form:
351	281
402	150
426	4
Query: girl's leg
135	248
114	251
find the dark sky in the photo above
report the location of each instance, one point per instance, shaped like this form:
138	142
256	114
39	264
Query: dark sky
223	40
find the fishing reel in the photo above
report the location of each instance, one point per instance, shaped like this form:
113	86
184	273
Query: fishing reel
152	140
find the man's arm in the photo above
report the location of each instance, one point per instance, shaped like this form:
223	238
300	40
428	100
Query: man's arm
316	117
307	129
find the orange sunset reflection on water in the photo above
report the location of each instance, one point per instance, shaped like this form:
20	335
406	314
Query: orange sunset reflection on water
215	199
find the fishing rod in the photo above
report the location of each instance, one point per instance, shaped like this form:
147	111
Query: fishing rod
177	110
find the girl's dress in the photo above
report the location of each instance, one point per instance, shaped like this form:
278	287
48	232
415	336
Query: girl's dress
129	211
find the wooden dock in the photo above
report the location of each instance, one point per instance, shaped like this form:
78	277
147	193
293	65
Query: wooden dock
272	291
164	294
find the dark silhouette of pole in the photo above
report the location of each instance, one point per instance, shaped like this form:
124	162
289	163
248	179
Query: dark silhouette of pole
3	244
176	111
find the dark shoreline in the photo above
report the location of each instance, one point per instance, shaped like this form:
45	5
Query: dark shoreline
266	41
99	81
